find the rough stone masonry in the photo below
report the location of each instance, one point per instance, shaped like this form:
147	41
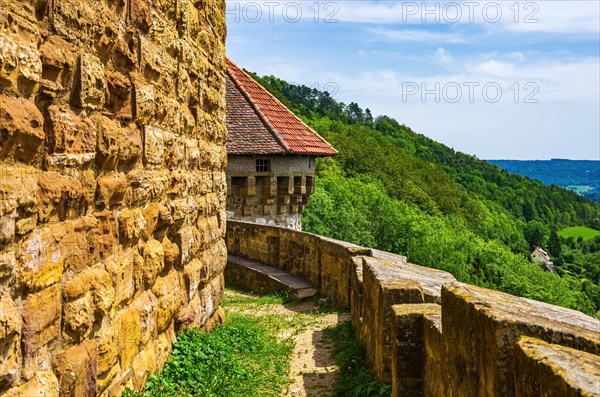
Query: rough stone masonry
112	188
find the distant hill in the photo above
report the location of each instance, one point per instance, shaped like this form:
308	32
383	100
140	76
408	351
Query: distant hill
581	176
396	190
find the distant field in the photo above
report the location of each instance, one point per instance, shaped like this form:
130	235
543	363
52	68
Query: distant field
579	231
580	189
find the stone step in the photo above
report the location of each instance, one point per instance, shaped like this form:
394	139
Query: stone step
262	278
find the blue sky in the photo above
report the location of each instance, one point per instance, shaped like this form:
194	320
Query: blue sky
497	79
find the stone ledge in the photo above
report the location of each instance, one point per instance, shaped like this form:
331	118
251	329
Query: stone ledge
259	277
555	371
431	280
473	317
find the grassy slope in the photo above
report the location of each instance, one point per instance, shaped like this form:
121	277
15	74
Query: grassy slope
579	231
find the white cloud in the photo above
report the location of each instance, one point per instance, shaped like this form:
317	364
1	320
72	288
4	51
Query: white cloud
560	16
556	17
493	68
443	57
565	117
413	35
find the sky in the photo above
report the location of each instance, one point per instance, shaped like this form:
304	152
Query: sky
496	79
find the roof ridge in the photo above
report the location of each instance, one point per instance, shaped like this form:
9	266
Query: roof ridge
263	116
260	113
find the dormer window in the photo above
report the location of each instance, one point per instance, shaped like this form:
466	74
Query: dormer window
263	165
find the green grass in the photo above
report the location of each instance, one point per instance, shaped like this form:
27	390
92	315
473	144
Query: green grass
354	379
241	296
239	359
250	355
579	231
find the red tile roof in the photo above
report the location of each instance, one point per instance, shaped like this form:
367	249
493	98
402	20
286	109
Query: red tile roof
259	124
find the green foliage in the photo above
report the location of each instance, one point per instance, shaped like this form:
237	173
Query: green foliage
536	233
354	379
393	189
554	244
585	233
445	243
238	359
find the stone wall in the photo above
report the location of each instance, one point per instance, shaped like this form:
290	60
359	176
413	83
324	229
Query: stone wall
429	335
112	188
275	197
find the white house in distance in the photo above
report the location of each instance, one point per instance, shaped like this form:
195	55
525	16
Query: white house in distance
542	258
271	155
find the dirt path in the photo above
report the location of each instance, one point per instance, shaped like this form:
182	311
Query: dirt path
312	368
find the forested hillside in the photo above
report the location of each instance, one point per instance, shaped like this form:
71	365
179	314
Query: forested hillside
582	176
397	190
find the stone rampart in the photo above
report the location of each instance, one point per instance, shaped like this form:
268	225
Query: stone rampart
430	335
112	188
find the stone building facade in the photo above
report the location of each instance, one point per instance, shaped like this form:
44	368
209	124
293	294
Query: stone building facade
271	155
112	188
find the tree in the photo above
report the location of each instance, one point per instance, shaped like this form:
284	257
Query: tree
535	233
528	210
356	113
368	116
554	247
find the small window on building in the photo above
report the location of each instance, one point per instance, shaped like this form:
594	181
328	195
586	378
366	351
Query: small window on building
263	165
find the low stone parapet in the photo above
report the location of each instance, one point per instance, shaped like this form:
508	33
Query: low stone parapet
430	335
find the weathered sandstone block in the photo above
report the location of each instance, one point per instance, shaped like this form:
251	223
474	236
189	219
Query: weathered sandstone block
435	375
87	296
172	253
78	318
67	132
119	90
129	334
189	241
10	347
41	325
76	369
63	197
44	384
144	96
143	365
473	317
21	125
382	289
408	347
553	370
111	190
147	306
59	59
154	145
120	267
154	262
170	297
131	225
41	262
107	348
118	147
90	83
20	66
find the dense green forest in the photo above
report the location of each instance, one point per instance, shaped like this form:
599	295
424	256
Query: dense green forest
396	190
582	176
